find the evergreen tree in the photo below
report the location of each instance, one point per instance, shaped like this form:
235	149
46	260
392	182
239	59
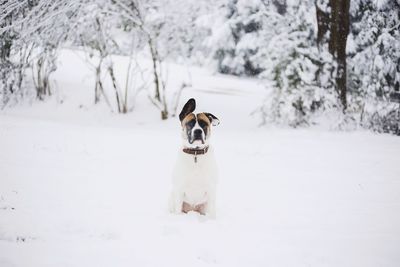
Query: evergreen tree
374	60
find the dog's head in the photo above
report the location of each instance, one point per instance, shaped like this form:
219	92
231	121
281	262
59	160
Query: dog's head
196	128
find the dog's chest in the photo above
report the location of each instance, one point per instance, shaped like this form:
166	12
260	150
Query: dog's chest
195	177
195	169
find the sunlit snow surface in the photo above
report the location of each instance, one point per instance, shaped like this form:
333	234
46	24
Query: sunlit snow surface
80	186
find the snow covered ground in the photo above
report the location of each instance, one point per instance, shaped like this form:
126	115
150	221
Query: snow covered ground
80	186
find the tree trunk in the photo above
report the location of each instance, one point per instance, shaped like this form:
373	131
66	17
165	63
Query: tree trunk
114	82
39	89
322	21
98	85
155	71
158	83
337	23
337	44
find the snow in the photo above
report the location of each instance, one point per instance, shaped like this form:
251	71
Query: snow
80	186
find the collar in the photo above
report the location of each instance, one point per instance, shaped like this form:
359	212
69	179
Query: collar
195	151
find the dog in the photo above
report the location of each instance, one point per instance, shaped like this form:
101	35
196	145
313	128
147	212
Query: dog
194	177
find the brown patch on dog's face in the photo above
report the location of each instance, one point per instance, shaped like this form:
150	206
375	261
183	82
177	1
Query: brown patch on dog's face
204	123
188	123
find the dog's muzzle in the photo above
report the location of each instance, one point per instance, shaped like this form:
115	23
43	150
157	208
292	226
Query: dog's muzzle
197	136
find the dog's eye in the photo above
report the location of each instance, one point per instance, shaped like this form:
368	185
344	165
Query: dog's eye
190	124
203	124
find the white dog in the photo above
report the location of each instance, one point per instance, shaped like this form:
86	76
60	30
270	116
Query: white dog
195	173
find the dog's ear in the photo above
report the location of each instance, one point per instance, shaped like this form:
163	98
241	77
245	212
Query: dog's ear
214	120
188	108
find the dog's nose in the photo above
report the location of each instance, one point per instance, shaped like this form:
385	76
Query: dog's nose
197	133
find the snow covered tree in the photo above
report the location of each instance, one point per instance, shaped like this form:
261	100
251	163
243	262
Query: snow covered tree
277	41
95	32
298	74
169	30
374	60
13	52
316	57
236	36
31	32
333	28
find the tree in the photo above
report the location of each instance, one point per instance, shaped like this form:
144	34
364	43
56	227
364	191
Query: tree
339	27
237	36
31	32
374	64
333	25
298	74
